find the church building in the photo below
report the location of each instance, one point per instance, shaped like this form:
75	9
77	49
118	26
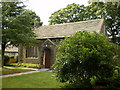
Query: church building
44	52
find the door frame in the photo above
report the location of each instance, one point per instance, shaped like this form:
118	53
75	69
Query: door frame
47	57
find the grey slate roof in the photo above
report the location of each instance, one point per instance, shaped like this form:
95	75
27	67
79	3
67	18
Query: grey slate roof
67	29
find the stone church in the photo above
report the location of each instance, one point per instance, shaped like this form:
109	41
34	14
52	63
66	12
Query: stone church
44	52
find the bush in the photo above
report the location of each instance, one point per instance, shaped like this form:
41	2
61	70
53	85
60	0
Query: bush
118	56
112	82
30	65
12	64
25	65
83	56
6	59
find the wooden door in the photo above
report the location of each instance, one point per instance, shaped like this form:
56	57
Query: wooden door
47	58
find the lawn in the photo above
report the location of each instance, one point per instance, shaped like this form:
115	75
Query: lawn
45	79
11	70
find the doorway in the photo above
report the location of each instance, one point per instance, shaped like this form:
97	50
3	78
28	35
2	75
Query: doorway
47	57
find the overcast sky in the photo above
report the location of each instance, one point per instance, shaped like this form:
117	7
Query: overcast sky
44	8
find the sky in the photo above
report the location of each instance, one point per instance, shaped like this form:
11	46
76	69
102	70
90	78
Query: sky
44	8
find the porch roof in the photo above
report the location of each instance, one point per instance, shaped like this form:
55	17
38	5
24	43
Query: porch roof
67	29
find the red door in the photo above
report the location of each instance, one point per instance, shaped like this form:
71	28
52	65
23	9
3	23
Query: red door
47	58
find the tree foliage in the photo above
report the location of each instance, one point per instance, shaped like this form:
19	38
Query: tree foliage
21	30
17	23
36	19
71	13
83	56
10	10
110	12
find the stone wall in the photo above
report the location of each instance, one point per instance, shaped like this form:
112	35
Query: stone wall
31	60
51	44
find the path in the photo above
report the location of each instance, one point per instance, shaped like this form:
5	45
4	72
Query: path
16	74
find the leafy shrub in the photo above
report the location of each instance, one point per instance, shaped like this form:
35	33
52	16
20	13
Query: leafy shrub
30	65
24	65
118	56
112	82
12	64
6	59
83	56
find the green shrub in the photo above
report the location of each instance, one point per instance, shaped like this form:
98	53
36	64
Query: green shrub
25	65
12	64
112	82
83	56
6	59
30	65
118	56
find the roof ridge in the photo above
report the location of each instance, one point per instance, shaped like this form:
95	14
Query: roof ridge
70	23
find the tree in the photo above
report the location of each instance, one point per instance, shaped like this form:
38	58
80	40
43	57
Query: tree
72	13
110	12
22	30
36	19
83	56
17	25
9	11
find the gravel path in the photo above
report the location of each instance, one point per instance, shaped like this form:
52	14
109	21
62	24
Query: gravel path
16	74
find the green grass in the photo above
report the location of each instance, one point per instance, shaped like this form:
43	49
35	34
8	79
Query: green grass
45	79
10	70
